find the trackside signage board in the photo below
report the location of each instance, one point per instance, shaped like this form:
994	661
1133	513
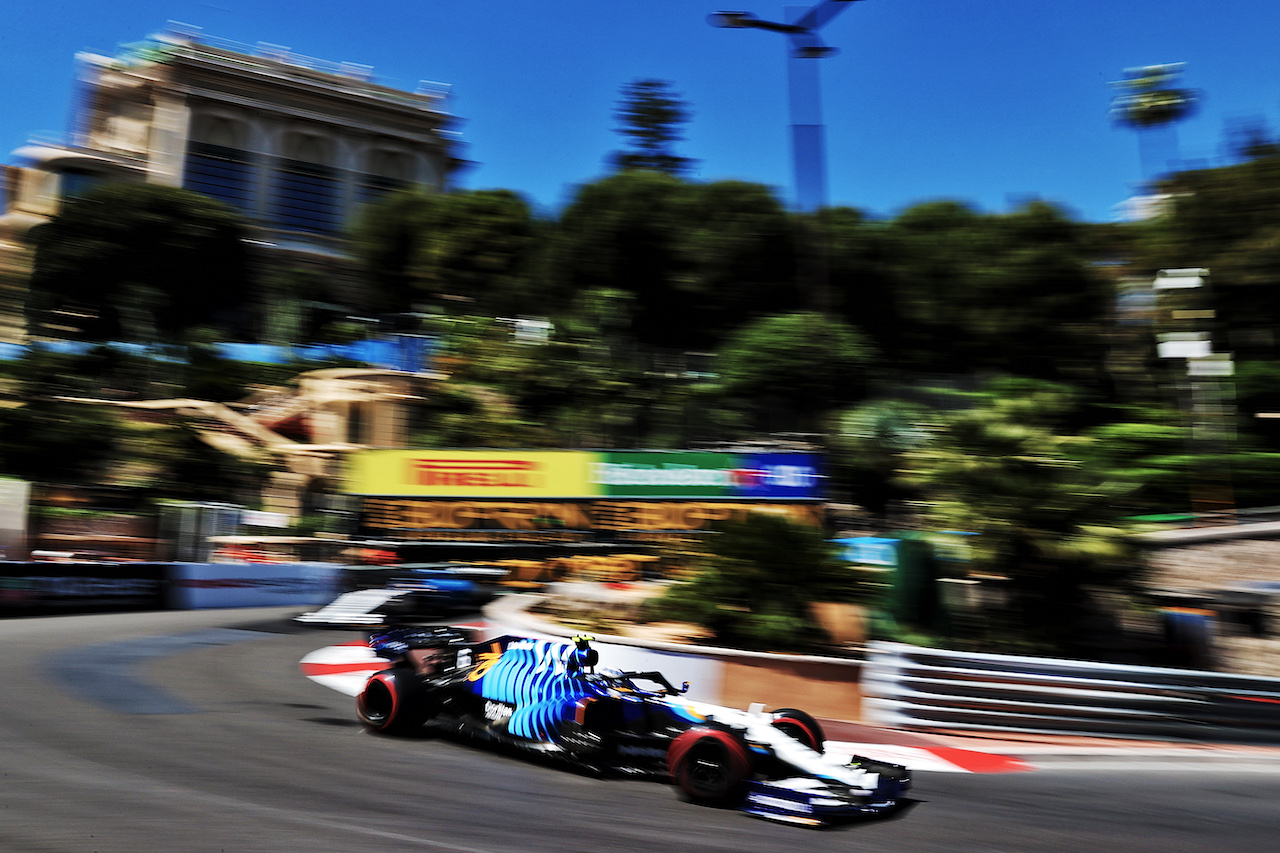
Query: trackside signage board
706	475
468	474
581	474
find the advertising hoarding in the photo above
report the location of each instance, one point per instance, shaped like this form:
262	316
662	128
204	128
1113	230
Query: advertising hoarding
537	475
468	474
562	521
32	589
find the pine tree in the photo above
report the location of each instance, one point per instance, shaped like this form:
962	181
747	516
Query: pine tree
650	115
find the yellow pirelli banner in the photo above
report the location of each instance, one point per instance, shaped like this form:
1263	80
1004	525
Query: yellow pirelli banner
470	474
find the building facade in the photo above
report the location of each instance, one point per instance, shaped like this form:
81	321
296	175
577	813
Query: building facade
296	144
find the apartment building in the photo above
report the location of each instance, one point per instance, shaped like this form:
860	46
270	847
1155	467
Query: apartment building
295	143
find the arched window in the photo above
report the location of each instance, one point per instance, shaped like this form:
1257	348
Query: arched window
304	186
218	164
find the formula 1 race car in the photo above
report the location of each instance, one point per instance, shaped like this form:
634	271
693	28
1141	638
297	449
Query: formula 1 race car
548	697
406	594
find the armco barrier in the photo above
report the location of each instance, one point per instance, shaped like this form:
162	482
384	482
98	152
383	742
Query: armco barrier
42	588
38	589
199	586
908	687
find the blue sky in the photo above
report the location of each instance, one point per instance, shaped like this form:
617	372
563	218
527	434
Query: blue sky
986	101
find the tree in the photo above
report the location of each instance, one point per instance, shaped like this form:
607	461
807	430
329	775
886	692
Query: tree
1151	105
784	372
141	263
476	248
47	439
482	250
699	260
388	240
867	444
1225	220
753	581
859	274
650	115
1013	293
623	233
1049	524
738	247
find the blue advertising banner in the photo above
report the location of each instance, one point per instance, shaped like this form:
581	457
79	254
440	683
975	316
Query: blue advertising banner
780	475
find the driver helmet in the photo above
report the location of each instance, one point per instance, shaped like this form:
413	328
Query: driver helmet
582	657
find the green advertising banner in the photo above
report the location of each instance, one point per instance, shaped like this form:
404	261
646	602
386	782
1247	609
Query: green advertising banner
665	474
693	474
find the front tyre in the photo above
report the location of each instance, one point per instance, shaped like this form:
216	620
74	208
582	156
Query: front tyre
393	701
801	727
711	766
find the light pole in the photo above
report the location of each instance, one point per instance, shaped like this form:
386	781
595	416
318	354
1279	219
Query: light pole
807	149
801	28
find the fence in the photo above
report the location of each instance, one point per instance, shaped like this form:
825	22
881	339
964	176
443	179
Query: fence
930	690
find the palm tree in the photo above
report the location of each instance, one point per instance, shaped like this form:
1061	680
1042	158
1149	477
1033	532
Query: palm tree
1150	104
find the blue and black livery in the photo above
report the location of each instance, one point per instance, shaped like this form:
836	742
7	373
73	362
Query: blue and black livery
548	697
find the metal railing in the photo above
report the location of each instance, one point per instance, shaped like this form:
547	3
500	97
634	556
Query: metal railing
921	689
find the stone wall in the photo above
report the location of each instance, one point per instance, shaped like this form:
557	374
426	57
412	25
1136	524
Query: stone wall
1222	565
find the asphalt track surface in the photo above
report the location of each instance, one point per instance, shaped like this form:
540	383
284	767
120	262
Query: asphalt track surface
196	732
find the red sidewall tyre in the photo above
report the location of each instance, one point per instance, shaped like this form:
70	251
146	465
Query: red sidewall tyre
802	727
711	766
389	703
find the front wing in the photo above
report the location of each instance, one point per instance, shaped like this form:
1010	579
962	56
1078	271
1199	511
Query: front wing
808	801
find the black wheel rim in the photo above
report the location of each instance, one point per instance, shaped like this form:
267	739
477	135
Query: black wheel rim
376	703
708	771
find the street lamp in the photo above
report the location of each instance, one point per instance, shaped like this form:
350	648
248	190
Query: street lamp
801	29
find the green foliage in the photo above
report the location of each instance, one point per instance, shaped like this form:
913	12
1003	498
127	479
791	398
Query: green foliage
697	259
787	370
753	584
1146	449
1150	97
738	250
482	250
865	446
140	263
387	240
584	387
173	463
478	248
622	233
1226	220
303	306
1012	293
47	439
1257	394
1050	524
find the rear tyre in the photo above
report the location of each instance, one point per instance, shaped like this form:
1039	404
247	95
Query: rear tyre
710	766
393	701
800	726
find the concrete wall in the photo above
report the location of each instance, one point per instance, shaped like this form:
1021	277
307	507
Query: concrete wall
825	687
